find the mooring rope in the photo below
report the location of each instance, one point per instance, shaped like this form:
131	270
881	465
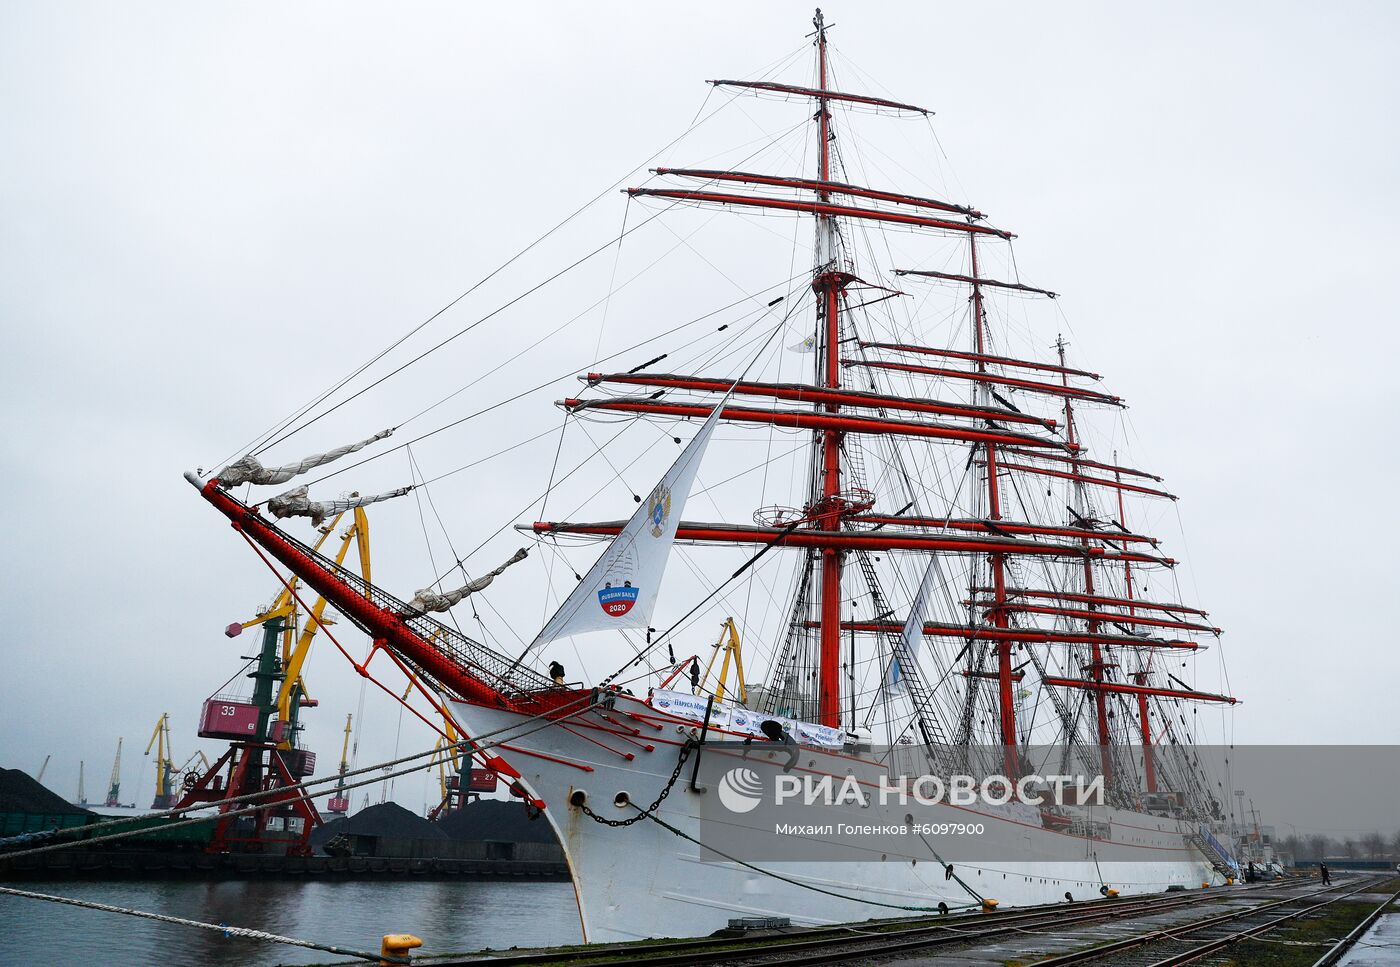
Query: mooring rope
246	933
806	886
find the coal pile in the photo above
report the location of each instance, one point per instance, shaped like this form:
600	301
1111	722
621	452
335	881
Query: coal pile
21	793
494	820
388	820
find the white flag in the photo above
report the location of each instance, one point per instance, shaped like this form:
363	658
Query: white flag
619	591
913	635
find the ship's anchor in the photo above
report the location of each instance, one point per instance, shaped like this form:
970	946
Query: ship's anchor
778	736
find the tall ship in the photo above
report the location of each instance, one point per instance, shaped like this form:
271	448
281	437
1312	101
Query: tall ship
896	494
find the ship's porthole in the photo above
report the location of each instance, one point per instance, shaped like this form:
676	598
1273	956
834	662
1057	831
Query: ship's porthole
622	798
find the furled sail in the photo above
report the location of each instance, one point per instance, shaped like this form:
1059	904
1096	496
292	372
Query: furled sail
619	590
296	503
913	634
426	599
250	470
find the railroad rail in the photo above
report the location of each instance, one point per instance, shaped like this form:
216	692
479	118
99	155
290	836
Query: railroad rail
1117	952
1335	954
878	938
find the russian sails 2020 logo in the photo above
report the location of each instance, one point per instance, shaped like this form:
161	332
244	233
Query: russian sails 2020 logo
616	602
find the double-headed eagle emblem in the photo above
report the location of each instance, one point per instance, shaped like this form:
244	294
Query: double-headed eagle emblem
659	508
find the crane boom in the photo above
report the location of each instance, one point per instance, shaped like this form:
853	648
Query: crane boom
114	785
160	740
338	803
294	657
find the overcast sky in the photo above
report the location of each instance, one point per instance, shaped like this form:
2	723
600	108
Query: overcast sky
207	213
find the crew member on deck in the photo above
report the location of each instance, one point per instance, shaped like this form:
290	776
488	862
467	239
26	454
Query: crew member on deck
556	672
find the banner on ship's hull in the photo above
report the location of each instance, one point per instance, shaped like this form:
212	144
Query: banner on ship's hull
736	718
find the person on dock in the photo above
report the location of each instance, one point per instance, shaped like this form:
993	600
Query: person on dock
1326	874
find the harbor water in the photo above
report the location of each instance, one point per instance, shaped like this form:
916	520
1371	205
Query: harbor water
451	916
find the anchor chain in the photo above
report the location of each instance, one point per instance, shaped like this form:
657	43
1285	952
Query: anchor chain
689	746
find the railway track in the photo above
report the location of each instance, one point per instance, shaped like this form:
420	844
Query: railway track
1339	950
875	940
1188	943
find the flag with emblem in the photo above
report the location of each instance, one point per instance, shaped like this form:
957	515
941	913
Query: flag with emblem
620	589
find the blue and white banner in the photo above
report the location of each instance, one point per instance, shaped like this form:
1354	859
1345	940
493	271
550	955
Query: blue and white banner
736	718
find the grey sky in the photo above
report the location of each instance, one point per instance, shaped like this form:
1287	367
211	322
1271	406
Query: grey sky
208	213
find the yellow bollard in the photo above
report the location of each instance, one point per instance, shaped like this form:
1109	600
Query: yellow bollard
398	945
989	905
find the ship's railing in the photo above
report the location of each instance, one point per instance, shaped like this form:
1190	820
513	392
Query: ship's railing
480	661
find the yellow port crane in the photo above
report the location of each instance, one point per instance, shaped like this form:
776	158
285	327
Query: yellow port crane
339	804
165	769
728	643
114	786
264	751
295	647
449	763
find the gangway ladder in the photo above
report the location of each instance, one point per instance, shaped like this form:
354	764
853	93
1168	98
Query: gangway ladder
1207	845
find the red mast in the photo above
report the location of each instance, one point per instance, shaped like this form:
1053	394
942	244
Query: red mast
1096	660
1006	699
1149	768
828	281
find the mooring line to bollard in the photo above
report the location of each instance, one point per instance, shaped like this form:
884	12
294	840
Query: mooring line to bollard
246	933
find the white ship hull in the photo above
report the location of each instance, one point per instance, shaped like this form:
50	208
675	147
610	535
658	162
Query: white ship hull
644	881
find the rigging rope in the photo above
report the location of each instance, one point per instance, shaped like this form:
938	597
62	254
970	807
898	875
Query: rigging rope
459	333
296	414
534	389
326	395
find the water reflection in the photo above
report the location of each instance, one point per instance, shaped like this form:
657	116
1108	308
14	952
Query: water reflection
451	917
